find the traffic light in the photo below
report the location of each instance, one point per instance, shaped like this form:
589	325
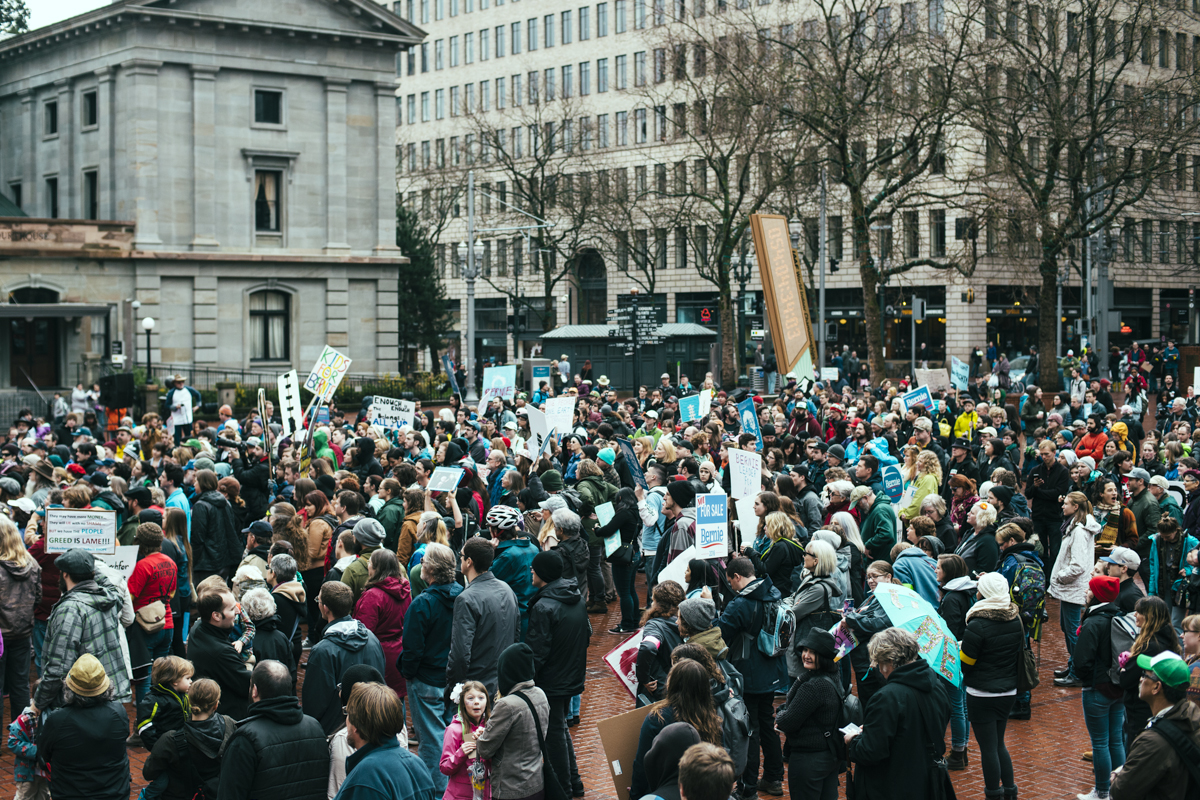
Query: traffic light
833	265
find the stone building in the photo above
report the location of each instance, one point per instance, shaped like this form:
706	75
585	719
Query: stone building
248	151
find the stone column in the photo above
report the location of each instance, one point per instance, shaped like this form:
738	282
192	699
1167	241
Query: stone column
204	140
204	319
66	150
104	105
385	168
29	187
142	96
337	322
335	166
387	326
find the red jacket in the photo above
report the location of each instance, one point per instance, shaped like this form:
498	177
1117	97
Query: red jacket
1091	444
382	608
51	593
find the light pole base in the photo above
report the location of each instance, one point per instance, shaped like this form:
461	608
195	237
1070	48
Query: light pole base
470	398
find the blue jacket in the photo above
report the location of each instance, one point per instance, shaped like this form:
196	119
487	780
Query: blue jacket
386	772
427	625
1189	544
743	618
918	571
512	564
876	447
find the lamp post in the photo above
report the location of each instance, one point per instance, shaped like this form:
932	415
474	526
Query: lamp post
147	326
468	256
135	305
740	265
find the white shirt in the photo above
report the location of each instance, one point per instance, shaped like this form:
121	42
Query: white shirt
180	403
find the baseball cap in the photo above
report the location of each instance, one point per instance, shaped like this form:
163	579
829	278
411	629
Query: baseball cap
1139	473
1123	557
1160	482
652	414
253	441
665	375
553	503
1169	667
923	424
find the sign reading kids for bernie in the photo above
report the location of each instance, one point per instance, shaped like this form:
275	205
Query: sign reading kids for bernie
90	529
327	373
712	525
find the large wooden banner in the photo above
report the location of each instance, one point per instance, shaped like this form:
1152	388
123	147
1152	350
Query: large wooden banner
783	289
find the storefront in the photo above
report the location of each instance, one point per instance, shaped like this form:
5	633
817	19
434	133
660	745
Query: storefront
844	310
1012	318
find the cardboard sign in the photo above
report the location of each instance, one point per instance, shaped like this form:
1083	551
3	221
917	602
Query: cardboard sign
748	415
635	469
90	529
445	479
935	379
619	737
560	413
622	660
291	410
960	373
604	513
539	427
712	525
829	374
689	408
783	291
391	412
745	478
499	382
122	561
921	396
327	373
676	570
448	368
893	482
705	403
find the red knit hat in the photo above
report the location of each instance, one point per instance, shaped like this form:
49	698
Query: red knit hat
75	469
1104	588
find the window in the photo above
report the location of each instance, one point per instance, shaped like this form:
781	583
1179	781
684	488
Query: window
937	224
622	129
499	41
91	194
439	10
424	106
660	12
568	31
426	157
454	51
439	104
681	240
585	24
267	188
412	108
516	90
639	14
660	248
52	197
548	30
602	130
91	109
639	68
937	17
660	123
602	19
424	12
412	157
619	14
455	108
14	191
485	98
568	80
454	8
269	326
621	76
660	65
639	126
531	37
514	45
601	75
548	80
533	89
585	78
424	57
439	54
501	96
50	118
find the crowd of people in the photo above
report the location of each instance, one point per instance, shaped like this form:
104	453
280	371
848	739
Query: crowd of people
288	611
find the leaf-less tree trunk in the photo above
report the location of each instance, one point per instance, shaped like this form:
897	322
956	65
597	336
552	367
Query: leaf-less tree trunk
730	344
1048	322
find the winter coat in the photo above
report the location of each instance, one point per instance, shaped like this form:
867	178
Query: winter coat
559	631
1043	499
1137	711
660	636
86	620
203	752
407	542
924	485
291	605
1189	544
812	597
991	649
740	624
216	541
778	560
487	619
1073	568
427	629
212	655
161	711
344	643
957	596
575	556
1153	770
391	517
320	535
454	763
1167	505
510	740
382	608
1011	559
904	727
512	563
812	710
386	770
272	644
83	745
255	481
879	528
917	571
595	491
808	506
20	593
980	550
355	576
278	753
1093	656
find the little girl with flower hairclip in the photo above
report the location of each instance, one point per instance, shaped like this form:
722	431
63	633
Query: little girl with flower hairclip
468	774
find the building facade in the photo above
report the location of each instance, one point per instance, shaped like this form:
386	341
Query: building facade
249	148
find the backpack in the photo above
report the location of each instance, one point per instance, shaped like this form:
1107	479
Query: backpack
1123	631
1187	751
573	499
735	718
778	627
205	789
1029	593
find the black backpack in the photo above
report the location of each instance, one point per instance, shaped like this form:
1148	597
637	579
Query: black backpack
205	789
1186	749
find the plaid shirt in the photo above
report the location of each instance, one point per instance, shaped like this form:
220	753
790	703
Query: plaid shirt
85	620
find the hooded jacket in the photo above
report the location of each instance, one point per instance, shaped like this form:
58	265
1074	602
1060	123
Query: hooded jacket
216	543
575	555
511	564
391	516
917	571
344	643
661	764
1153	770
1044	499
660	637
212	655
559	631
595	491
365	462
427	630
20	593
740	623
321	448
879	528
86	620
270	643
957	596
83	746
291	606
1093	654
904	726
355	576
386	770
382	608
278	753
1073	568
254	475
204	747
510	738
487	619
991	649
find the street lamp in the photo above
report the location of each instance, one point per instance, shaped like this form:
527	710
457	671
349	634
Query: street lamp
147	326
741	272
469	258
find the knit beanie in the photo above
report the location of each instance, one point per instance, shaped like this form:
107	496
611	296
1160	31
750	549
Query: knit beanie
548	565
1105	588
552	481
698	613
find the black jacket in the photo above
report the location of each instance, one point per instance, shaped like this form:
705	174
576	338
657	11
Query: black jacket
212	655
660	636
1043	500
779	560
254	478
575	555
161	711
558	635
277	754
946	533
904	726
1093	648
427	629
1127	598
216	541
954	607
197	763
1137	712
85	748
271	644
344	643
991	649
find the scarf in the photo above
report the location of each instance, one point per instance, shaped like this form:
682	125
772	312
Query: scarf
994	588
1109	518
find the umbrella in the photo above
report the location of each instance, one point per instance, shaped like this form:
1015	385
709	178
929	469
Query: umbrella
909	611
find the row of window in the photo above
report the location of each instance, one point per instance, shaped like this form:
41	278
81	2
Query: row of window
89	183
268	110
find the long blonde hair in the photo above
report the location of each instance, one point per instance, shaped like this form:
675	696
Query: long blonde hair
11	547
927	461
1083	508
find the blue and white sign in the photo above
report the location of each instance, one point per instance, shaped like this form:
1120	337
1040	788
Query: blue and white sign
712	525
921	396
689	408
893	482
748	415
635	469
448	368
960	373
499	382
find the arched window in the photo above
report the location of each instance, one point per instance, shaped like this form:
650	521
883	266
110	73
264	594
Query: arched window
269	326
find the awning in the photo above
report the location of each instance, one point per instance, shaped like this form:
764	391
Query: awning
59	310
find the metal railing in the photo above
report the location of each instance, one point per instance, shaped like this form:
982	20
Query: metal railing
12	403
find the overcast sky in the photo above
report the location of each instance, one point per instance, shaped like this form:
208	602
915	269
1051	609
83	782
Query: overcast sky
47	12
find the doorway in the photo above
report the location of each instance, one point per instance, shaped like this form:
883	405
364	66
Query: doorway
33	342
593	289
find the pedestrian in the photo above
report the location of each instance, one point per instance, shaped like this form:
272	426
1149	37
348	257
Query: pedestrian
1071	573
958	592
978	546
816	598
904	724
347	742
865	622
809	719
278	753
992	647
1103	711
31	778
82	742
511	739
1169	572
214	657
151	586
382	607
487	620
190	759
1155	635
270	643
166	707
20	594
660	636
781	554
514	554
705	773
663	759
216	545
290	601
627	523
346	642
369	535
460	762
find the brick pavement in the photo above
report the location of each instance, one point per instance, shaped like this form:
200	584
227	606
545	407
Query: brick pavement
1046	750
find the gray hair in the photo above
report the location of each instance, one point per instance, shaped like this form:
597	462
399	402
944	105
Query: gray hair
894	647
69	698
259	603
825	555
284	566
935	502
437	566
566	522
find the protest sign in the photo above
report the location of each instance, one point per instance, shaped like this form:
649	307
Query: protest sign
712	525
936	379
893	482
619	736
705	403
748	414
327	373
560	413
391	412
445	479
499	382
448	368
539	428
745	478
635	469
622	660
122	561
605	513
90	529
921	396
829	374
960	373
676	570
291	409
689	408
747	519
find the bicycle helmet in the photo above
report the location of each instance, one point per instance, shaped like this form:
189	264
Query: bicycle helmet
503	517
